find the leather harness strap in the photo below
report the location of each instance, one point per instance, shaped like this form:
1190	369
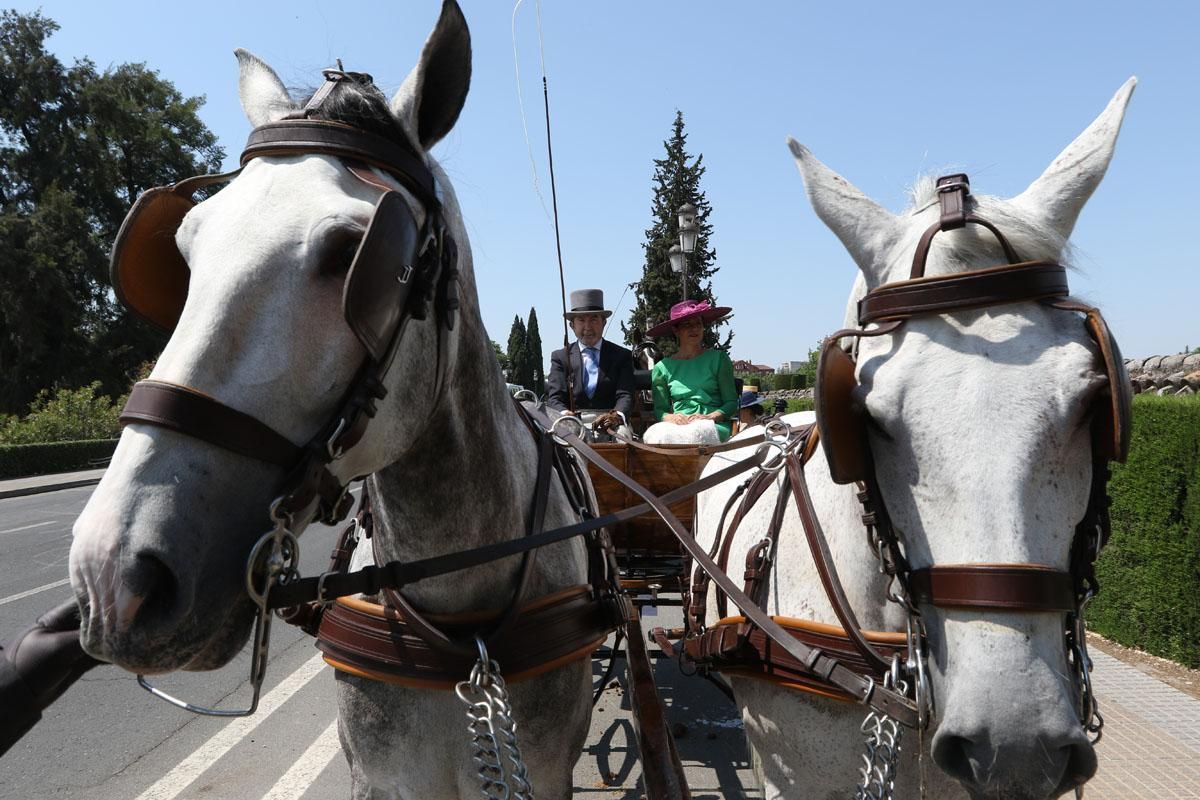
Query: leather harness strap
186	410
953	191
817	662
382	642
289	137
737	648
1009	283
372	579
1010	587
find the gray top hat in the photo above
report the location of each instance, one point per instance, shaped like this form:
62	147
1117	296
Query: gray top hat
587	301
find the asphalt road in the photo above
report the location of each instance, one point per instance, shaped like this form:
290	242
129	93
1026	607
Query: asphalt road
107	739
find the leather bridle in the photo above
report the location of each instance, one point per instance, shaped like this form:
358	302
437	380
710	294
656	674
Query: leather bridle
400	271
733	646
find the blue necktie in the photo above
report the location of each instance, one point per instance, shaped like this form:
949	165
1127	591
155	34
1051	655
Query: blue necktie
591	366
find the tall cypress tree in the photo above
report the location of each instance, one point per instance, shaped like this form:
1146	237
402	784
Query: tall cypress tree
676	181
533	348
516	352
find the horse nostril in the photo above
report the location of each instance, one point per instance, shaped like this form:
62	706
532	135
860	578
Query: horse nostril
1081	765
953	755
153	584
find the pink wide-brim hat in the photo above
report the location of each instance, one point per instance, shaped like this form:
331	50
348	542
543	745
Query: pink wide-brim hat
686	310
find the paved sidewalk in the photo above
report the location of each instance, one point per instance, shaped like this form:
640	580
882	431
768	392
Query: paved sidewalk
1151	743
19	487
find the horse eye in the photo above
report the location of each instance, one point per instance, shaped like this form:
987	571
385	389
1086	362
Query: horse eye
338	253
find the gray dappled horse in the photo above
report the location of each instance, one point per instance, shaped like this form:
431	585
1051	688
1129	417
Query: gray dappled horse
159	558
979	425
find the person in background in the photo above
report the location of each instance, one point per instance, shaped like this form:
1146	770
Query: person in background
780	405
598	372
750	410
36	667
693	388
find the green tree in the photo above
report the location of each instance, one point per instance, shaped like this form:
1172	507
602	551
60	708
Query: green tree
77	146
676	182
533	351
68	415
501	357
517	358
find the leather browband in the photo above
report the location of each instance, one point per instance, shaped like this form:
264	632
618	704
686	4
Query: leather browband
287	137
1019	587
1010	283
185	410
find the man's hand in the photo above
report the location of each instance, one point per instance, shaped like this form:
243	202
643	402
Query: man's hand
608	422
48	656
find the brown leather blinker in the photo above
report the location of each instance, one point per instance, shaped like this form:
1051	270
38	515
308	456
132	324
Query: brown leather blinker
382	275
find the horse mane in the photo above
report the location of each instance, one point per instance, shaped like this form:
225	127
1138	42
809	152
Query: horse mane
1032	240
359	102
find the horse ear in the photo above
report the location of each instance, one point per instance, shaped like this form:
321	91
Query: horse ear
430	99
867	230
263	96
1059	194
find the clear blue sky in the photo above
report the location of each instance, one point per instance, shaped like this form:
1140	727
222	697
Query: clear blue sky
881	92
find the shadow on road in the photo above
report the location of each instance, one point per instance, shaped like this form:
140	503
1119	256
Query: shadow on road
706	726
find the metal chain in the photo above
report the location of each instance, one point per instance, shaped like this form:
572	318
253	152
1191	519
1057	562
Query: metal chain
502	771
883	735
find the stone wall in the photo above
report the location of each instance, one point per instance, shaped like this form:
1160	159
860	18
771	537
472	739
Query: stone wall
1163	375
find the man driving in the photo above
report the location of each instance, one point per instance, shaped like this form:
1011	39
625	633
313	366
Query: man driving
596	373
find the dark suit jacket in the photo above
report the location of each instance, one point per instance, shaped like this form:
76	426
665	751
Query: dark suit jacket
614	386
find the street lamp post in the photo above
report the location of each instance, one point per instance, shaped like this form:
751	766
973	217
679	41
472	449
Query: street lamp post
688	233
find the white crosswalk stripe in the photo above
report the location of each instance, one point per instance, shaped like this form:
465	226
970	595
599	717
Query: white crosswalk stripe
295	781
174	782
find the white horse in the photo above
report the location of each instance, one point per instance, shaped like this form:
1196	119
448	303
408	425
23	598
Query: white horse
158	561
979	430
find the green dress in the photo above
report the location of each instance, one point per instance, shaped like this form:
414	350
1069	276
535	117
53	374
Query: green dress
699	385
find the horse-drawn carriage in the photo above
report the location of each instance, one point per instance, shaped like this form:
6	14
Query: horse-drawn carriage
987	568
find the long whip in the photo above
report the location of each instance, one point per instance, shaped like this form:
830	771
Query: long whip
562	281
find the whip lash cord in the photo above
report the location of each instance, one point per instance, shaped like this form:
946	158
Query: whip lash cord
562	281
521	105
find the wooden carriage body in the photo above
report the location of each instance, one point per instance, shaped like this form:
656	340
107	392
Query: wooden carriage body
648	554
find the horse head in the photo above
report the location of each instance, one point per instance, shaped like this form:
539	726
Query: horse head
978	422
277	327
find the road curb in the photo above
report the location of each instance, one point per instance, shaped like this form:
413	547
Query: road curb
49	487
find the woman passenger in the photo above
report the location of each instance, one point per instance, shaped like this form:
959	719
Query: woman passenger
695	399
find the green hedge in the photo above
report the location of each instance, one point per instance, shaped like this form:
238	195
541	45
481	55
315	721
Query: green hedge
22	460
793	404
1150	572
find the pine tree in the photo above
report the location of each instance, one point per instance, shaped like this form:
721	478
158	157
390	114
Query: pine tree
533	348
516	351
675	182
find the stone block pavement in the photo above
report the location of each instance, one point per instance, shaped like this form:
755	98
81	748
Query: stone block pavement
1151	742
